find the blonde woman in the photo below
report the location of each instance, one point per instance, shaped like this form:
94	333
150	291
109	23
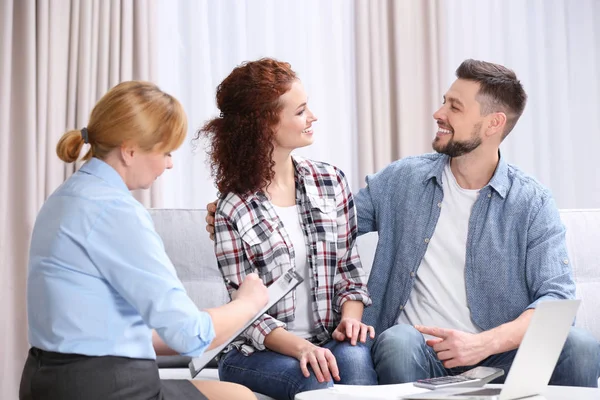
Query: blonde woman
99	278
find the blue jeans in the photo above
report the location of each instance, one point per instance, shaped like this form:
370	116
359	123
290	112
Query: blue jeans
400	355
279	376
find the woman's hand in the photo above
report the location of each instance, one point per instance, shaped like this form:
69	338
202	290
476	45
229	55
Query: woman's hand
321	360
253	291
352	329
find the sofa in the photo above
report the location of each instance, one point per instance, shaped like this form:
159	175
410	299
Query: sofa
191	251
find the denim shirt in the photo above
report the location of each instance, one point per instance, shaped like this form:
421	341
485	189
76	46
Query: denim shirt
516	253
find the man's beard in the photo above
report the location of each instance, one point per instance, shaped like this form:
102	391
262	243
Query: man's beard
455	148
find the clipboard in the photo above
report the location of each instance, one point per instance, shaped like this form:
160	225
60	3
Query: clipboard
277	290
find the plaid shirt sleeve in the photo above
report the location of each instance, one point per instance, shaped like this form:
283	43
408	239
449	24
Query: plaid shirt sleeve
234	265
350	280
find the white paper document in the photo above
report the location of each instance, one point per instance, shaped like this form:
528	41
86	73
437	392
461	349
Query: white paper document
278	289
359	392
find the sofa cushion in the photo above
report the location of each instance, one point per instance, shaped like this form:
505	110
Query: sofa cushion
192	252
583	244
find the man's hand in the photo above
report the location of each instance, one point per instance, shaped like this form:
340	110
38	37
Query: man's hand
210	218
456	348
352	329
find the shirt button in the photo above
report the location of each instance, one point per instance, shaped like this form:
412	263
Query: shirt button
412	273
426	240
565	261
489	195
401	308
440	205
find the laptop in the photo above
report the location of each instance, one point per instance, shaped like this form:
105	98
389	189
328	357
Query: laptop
535	359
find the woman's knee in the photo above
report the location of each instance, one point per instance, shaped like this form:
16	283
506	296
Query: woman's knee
215	390
311	383
348	353
273	374
355	364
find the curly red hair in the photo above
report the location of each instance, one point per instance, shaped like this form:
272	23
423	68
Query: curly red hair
241	138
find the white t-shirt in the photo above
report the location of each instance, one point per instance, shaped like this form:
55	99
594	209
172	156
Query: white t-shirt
439	296
304	320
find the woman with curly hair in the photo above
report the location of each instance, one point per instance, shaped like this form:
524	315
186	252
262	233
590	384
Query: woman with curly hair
278	211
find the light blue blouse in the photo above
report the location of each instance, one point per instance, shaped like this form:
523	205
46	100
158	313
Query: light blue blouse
99	278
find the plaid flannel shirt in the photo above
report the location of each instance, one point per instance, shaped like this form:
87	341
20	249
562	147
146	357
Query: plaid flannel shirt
249	237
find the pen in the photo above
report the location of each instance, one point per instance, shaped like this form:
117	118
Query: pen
231	284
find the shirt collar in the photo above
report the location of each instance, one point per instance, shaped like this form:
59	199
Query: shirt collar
438	169
98	168
301	166
499	182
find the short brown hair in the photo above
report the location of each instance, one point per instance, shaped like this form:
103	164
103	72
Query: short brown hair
135	111
241	138
500	90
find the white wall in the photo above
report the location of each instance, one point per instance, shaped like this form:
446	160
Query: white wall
202	41
554	46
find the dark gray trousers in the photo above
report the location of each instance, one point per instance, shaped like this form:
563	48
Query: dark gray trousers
49	375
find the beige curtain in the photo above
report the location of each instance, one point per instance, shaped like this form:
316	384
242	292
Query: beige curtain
57	57
399	65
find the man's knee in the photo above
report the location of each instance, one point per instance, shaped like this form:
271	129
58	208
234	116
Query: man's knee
579	362
583	347
398	338
399	355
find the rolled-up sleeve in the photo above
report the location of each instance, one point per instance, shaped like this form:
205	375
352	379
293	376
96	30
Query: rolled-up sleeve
234	265
366	215
549	274
350	279
130	255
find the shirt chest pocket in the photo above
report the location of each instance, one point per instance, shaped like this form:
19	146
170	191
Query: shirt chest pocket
263	245
324	215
